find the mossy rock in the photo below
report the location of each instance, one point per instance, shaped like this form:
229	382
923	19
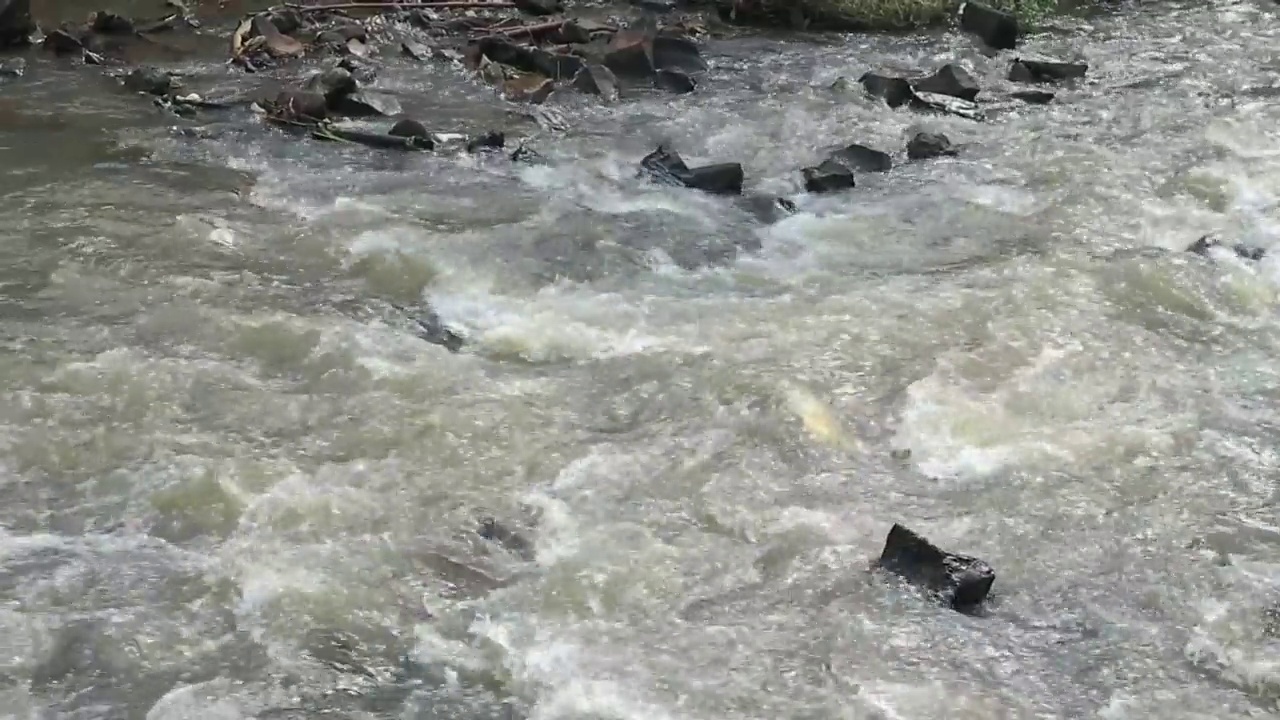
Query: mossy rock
862	15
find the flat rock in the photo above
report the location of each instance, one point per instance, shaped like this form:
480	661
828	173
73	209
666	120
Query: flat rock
595	79
150	80
862	158
278	45
960	581
827	176
528	88
16	25
674	81
951	79
926	145
416	50
995	28
336	84
1038	71
895	91
1035	97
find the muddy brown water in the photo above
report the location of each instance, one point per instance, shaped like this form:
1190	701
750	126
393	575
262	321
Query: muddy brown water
234	484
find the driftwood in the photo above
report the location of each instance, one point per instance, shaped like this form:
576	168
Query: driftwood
524	29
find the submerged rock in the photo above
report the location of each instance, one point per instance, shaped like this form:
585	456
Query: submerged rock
674	81
527	156
13	67
925	145
997	29
895	91
336	84
861	157
16	25
150	80
665	165
366	104
1034	97
512	540
960	581
64	41
491	140
1038	71
1244	252
768	209
109	23
951	79
827	176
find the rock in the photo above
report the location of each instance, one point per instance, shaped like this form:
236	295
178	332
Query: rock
109	23
16	25
287	20
539	7
357	47
925	145
1244	252
150	80
1036	71
527	155
768	209
492	530
960	581
416	50
665	165
278	45
599	80
557	66
433	330
409	128
676	53
827	176
1035	97
491	140
63	42
528	88
336	84
300	106
630	54
374	140
674	81
895	91
13	67
998	30
366	104
578	32
863	158
951	79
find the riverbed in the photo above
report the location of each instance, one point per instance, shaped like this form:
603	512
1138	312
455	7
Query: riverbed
235	484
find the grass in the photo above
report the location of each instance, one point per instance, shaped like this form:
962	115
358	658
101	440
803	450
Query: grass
891	14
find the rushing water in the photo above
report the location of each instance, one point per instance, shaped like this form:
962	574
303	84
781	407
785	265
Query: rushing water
233	484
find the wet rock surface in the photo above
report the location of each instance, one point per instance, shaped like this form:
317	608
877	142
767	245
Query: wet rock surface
960	581
927	145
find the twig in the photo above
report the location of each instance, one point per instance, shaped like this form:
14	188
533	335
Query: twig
438	4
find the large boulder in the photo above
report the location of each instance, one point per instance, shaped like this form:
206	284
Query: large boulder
960	581
951	79
995	28
16	25
666	166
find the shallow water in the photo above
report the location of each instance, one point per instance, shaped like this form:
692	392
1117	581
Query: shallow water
234	484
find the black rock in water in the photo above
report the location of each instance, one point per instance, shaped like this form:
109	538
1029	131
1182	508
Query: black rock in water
16	25
15	67
528	156
997	29
863	158
300	106
962	582
595	79
827	176
366	104
924	146
1035	97
379	141
768	209
109	23
1037	71
152	81
893	90
677	53
674	81
410	128
63	42
491	140
514	541
335	84
1245	252
951	79
666	166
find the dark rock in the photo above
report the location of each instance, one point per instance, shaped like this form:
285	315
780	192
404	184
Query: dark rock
300	106
16	25
557	66
513	541
491	140
150	80
630	54
539	7
433	330
336	84
63	42
527	155
676	53
893	90
827	176
960	581
1036	71
718	179
1035	97
674	81
375	140
665	165
409	128
109	23
863	158
951	79
278	44
768	209
13	67
998	30
578	32
599	80
287	20
1245	252
528	88
415	50
925	145
366	104
361	70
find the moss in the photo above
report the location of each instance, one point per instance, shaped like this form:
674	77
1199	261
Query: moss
872	14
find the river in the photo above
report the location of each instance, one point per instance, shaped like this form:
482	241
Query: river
234	483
